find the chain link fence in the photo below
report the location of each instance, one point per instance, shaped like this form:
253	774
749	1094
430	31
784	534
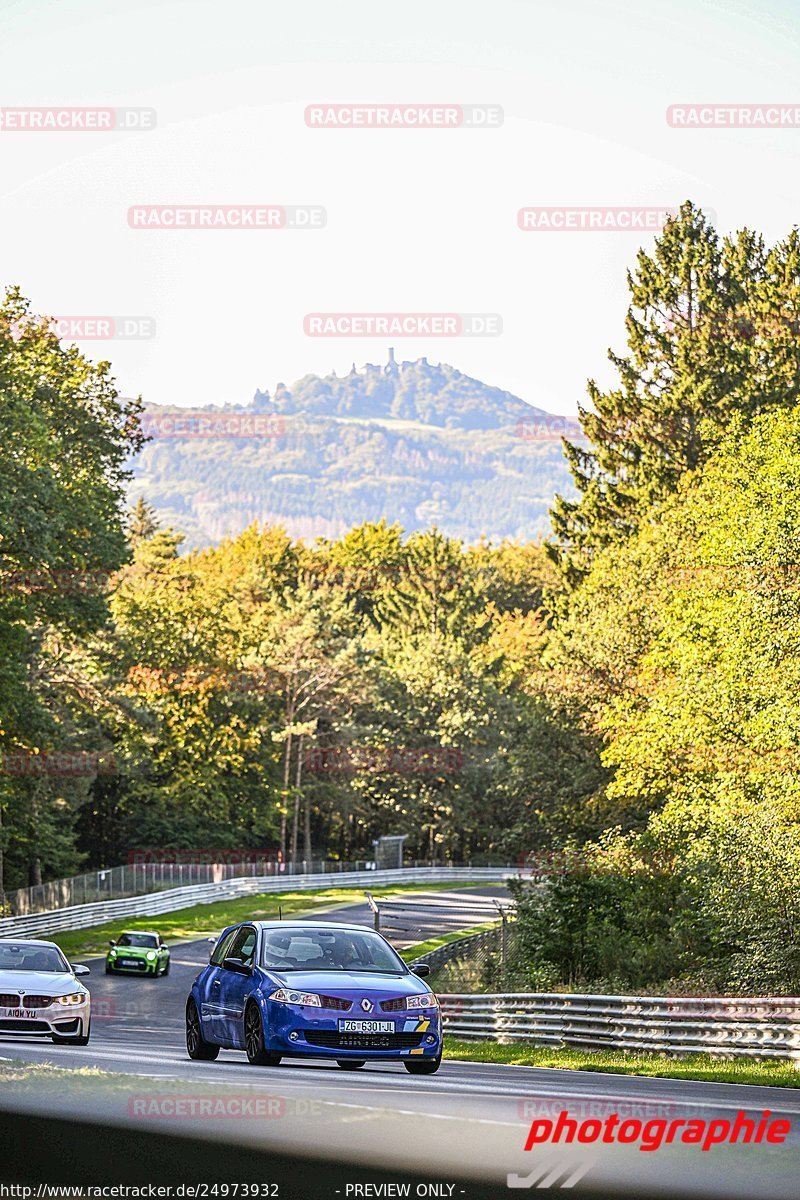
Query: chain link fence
484	962
142	878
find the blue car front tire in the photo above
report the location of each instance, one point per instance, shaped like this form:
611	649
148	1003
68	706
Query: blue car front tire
257	1053
422	1066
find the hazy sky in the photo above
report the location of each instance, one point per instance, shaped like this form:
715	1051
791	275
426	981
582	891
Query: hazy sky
417	220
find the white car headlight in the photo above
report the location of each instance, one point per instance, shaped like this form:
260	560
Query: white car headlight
426	1000
72	998
112	953
151	955
287	996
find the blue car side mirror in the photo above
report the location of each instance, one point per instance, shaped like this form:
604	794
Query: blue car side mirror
236	965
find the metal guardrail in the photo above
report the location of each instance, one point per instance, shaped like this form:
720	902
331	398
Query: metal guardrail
407	916
753	1027
84	916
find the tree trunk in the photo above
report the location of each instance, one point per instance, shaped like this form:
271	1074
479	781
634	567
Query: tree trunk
287	750
307	826
296	812
35	863
287	758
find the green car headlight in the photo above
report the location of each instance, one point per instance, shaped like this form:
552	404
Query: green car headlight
112	954
151	954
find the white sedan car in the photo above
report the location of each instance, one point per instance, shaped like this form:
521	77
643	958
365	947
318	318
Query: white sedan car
40	995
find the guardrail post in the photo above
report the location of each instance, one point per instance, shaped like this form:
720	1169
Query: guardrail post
376	912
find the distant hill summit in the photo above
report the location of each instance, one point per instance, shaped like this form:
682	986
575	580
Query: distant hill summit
409	441
407	391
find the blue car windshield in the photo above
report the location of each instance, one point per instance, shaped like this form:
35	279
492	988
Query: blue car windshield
304	948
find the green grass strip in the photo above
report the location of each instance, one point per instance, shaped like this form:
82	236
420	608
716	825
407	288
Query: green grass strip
702	1067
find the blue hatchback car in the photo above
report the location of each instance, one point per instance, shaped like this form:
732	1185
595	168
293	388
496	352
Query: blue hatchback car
275	990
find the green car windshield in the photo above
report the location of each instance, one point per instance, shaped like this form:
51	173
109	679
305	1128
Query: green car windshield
143	941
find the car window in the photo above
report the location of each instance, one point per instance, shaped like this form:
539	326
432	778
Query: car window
220	951
143	941
22	957
244	945
328	949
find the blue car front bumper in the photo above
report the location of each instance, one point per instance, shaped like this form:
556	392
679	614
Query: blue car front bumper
290	1030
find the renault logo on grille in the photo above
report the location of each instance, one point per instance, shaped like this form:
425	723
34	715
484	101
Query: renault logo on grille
366	1005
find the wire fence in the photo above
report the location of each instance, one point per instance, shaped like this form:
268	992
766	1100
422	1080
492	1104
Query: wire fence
143	878
484	962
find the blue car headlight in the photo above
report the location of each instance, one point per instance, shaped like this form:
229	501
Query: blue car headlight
287	996
426	1000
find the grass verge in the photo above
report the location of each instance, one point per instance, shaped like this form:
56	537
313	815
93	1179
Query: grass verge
203	919
766	1073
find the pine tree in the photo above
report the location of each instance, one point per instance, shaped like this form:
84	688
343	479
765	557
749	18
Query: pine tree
143	522
711	331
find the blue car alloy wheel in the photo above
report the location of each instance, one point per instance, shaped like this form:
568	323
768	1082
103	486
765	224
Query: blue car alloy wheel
278	990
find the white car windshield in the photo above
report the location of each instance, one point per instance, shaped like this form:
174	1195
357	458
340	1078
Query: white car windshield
318	949
17	956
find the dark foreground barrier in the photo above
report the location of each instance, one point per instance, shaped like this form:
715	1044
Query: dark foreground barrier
40	1150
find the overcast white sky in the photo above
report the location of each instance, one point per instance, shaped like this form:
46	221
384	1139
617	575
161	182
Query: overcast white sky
417	220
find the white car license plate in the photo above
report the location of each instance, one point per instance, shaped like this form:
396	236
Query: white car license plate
349	1026
15	1014
129	962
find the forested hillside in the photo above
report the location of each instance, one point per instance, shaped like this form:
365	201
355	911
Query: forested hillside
420	443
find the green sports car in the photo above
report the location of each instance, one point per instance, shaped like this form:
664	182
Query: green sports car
138	953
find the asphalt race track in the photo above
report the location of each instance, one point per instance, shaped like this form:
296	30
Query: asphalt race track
470	1118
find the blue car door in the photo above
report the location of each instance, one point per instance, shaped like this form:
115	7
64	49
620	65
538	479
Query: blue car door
209	986
235	987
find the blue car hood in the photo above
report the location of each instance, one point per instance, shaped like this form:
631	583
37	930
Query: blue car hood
334	982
